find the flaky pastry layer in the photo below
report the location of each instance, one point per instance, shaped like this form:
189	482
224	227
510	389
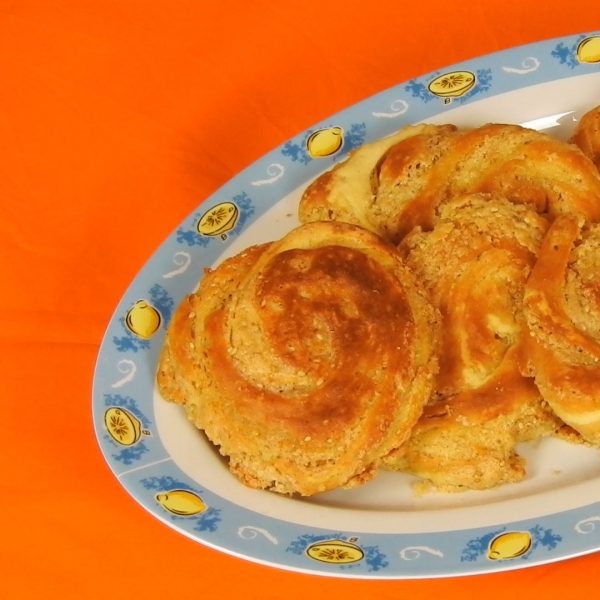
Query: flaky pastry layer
429	165
475	261
305	360
562	308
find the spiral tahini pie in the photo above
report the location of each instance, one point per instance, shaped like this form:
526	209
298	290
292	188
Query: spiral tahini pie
305	360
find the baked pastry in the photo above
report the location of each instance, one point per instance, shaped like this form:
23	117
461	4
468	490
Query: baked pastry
562	309
587	135
180	371
475	262
345	193
411	177
305	360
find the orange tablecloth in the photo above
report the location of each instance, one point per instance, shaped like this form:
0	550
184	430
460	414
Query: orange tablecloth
116	119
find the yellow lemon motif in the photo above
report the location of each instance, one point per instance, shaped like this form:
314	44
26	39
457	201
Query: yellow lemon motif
324	142
181	502
588	50
452	85
335	551
122	426
142	319
509	545
218	219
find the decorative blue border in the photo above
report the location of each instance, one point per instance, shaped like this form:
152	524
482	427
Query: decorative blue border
124	375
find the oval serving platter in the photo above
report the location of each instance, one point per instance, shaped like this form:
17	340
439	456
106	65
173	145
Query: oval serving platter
380	530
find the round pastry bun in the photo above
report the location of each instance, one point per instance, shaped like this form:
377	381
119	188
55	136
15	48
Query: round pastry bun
305	360
400	185
475	261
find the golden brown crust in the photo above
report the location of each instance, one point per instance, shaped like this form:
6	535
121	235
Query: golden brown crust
179	374
562	308
521	164
309	358
587	135
345	193
475	261
420	170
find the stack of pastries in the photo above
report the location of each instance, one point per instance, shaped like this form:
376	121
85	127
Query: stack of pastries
438	305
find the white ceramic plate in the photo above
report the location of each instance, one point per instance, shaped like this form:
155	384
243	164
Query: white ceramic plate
379	530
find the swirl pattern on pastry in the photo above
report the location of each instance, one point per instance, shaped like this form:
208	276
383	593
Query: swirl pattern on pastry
345	193
587	135
305	360
562	309
412	176
475	261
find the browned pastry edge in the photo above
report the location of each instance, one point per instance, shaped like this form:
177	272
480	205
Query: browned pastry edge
301	425
345	192
564	359
390	188
475	261
586	135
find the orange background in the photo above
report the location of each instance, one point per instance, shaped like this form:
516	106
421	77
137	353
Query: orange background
116	120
